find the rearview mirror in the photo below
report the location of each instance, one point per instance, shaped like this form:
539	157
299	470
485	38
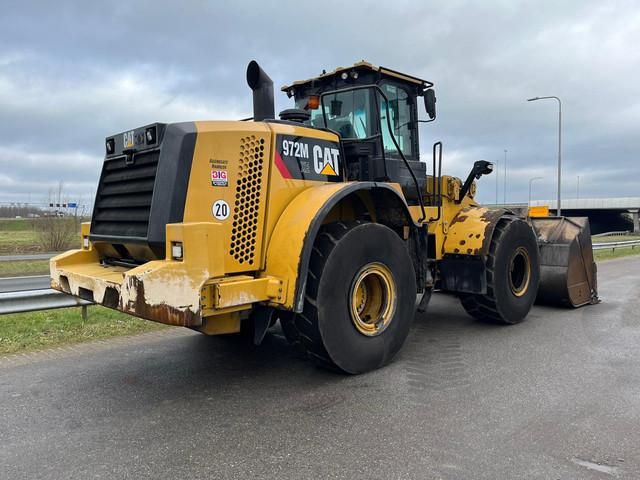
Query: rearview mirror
430	103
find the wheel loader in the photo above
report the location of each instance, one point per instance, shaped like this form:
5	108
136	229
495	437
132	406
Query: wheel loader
324	218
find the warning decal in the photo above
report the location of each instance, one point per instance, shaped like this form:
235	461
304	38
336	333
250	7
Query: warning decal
305	158
219	178
219	174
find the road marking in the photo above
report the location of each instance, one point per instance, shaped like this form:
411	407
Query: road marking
598	467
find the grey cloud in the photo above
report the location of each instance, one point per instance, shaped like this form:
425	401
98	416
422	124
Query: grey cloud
73	72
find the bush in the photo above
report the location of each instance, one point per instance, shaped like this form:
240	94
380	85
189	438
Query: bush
54	234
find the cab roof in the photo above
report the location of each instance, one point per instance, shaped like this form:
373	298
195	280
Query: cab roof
362	65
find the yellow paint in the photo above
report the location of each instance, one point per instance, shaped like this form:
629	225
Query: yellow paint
221	324
231	145
440	228
466	232
243	290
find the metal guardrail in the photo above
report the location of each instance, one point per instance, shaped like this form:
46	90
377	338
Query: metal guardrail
611	234
34	300
26	257
614	245
21	284
30	294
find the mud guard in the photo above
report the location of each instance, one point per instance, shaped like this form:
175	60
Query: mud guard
568	273
292	240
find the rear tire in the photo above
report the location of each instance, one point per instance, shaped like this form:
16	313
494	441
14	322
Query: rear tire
513	275
359	298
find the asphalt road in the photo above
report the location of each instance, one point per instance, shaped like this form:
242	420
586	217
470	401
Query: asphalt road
557	397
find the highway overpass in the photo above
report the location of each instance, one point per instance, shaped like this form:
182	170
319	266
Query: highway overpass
604	213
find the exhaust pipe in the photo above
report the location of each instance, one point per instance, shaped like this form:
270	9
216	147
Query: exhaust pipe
262	86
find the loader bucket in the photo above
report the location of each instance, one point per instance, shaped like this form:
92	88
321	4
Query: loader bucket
567	269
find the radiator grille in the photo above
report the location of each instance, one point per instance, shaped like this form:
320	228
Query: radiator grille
123	202
246	211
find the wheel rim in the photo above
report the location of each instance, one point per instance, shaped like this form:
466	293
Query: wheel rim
373	299
519	272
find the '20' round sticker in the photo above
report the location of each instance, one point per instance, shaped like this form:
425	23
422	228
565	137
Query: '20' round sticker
220	210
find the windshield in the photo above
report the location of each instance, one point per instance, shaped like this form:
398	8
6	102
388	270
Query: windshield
353	114
348	113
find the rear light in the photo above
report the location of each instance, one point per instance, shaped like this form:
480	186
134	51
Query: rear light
176	251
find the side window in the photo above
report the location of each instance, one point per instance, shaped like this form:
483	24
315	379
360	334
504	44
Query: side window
399	111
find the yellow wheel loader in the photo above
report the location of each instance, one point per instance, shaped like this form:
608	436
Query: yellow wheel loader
324	219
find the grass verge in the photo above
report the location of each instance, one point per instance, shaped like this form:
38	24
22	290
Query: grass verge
26	267
24	332
14	225
600	255
18	241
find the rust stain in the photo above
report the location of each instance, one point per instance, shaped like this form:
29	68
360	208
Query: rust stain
460	218
162	313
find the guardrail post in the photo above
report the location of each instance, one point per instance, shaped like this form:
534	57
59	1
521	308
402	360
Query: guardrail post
84	312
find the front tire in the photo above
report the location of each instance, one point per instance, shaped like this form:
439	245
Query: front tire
359	298
513	275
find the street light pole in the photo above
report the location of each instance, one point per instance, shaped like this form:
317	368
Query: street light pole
578	190
505	177
559	209
530	182
497	170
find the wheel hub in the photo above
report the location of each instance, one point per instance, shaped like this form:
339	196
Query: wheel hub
373	299
519	272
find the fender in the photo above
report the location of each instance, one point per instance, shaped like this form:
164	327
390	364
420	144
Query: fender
465	249
470	231
291	242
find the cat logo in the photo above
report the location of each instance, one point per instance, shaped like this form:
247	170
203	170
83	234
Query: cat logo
326	160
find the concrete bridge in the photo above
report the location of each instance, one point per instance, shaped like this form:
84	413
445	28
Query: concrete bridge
604	213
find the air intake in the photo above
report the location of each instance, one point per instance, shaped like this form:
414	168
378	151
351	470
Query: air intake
247	205
123	201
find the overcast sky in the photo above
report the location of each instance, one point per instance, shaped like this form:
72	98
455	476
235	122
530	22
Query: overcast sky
72	73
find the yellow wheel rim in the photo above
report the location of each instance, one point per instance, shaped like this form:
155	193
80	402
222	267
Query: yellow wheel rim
373	299
519	272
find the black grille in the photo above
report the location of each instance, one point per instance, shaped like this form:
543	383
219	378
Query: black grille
123	202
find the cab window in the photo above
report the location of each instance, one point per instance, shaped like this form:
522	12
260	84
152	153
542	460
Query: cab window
348	113
399	111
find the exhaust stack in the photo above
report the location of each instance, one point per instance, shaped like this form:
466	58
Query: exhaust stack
262	86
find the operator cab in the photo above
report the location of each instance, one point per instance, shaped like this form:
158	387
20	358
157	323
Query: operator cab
374	111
